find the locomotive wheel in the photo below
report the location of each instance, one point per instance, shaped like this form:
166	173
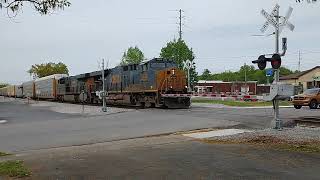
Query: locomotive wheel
142	104
153	105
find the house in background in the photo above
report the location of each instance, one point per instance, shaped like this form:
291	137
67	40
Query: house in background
306	79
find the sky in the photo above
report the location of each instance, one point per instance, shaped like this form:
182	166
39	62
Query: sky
221	34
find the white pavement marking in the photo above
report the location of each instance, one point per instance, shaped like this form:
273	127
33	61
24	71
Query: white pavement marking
3	121
217	133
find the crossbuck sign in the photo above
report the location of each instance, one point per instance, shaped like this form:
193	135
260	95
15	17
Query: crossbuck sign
271	19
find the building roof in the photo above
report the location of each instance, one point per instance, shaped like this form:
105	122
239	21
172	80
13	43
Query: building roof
297	75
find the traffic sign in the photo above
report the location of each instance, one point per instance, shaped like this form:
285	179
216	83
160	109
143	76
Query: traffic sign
273	13
269	72
188	64
285	22
270	19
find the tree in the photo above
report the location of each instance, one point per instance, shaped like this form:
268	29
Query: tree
3	85
249	71
47	69
285	71
41	6
205	75
132	56
178	51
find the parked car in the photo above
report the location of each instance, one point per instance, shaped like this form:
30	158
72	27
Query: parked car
310	97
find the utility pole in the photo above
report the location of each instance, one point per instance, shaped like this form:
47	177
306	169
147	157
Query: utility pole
104	107
299	63
180	24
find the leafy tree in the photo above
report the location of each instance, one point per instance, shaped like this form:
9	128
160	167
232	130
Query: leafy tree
285	71
41	6
3	85
46	69
179	51
132	56
251	73
205	75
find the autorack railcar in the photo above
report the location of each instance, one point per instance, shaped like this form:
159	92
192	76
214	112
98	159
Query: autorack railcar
46	87
154	83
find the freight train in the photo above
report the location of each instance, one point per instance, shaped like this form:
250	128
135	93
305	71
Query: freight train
154	83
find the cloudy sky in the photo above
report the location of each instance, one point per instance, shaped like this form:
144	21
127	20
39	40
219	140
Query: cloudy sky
220	32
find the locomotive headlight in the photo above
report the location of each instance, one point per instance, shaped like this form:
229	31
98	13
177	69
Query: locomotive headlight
186	87
170	87
173	71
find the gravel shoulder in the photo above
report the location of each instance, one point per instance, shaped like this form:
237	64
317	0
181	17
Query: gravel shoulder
299	139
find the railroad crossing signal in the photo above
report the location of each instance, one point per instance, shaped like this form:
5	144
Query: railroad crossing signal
271	19
262	61
188	65
279	23
276	61
285	21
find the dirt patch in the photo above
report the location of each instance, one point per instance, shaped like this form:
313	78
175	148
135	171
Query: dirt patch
273	142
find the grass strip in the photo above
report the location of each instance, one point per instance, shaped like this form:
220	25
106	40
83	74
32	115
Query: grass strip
240	103
4	154
14	169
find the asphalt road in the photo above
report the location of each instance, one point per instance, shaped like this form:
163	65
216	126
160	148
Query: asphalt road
31	128
170	157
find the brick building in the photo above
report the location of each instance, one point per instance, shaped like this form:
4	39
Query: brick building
220	87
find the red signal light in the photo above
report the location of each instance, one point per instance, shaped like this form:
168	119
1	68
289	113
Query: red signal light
276	61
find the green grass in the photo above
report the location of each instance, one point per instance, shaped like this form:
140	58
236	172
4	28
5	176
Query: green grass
239	103
13	169
4	154
307	148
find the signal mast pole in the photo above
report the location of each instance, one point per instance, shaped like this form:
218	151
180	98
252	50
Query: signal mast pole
277	121
104	108
274	19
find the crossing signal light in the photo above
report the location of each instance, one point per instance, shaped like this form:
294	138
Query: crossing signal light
276	61
262	62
